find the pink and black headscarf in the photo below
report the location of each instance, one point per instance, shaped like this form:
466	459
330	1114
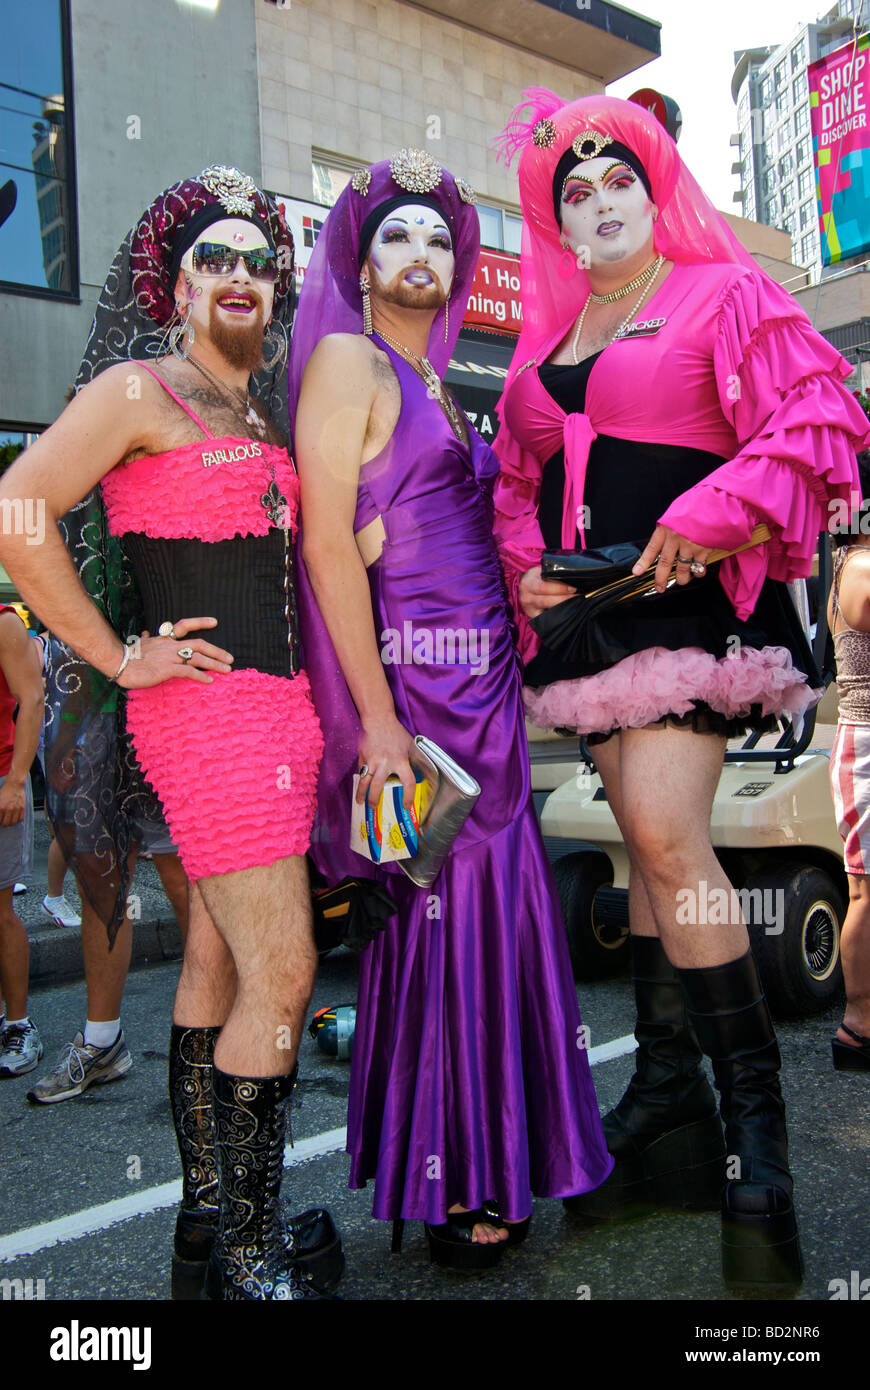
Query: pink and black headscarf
542	130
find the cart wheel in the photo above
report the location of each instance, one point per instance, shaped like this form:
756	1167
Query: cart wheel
598	946
796	938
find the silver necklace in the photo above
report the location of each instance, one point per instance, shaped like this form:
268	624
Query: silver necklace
424	369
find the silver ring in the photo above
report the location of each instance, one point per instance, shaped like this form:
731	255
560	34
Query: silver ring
186	654
697	568
364	770
684	560
166	630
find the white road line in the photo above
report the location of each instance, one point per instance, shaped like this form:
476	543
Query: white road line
168	1194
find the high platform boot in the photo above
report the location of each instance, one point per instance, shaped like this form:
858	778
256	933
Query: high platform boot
665	1133
254	1256
760	1246
191	1054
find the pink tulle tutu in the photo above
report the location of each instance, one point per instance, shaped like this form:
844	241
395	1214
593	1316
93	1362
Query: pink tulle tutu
234	763
644	687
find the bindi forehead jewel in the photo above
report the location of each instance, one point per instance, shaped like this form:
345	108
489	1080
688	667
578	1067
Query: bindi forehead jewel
401	222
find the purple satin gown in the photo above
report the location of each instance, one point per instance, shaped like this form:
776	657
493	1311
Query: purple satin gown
469	1078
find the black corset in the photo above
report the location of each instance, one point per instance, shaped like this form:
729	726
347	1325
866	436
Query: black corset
239	581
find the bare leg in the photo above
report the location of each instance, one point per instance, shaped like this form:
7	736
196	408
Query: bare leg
56	867
175	884
855	951
105	970
14	957
668	780
607	760
207	986
264	916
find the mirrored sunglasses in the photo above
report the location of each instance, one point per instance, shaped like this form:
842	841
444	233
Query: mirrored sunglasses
214	258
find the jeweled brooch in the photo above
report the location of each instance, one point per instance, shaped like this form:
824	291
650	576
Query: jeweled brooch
415	170
544	133
465	191
361	181
234	190
590	143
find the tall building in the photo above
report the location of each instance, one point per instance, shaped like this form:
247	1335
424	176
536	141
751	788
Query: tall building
48	158
774	140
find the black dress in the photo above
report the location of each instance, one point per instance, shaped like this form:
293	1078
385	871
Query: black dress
628	486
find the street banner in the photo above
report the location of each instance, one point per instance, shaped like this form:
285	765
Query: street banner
838	86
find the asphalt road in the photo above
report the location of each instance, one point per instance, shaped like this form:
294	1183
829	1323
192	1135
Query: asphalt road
116	1142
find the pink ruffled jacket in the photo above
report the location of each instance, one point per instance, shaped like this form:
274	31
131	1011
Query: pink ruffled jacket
736	369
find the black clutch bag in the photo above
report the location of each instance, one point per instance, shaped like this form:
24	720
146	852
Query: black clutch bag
576	629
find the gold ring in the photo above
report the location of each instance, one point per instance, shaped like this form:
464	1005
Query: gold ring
166	630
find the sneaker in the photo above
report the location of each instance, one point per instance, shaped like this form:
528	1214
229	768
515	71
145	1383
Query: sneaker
21	1049
19	888
61	913
80	1065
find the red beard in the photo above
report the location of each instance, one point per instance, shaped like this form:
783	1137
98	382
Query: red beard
240	344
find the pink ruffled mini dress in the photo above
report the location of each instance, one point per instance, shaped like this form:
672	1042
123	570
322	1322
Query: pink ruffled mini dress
727	412
234	762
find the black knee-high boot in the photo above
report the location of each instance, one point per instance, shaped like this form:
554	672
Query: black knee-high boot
760	1245
665	1133
254	1255
191	1065
191	1053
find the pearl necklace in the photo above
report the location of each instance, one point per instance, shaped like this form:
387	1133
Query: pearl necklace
626	321
424	369
649	273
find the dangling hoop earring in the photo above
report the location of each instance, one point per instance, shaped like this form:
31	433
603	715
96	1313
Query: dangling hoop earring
447	318
279	356
176	334
367	307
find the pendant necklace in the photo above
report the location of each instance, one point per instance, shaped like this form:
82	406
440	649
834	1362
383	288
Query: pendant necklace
424	369
650	274
273	501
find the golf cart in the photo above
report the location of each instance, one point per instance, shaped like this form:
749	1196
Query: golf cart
773	829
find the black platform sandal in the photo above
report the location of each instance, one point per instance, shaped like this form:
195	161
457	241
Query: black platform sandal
451	1245
848	1058
516	1230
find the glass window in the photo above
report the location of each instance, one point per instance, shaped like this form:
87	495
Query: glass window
788	195
490	227
766	90
808	212
37	205
805	182
799	89
768	152
802	151
797	56
786	165
802	118
780	74
513	227
808	250
743	109
782	103
328	180
771	213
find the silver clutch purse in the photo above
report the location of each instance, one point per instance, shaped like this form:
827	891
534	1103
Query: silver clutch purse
452	793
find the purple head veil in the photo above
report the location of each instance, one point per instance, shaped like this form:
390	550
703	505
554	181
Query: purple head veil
331	301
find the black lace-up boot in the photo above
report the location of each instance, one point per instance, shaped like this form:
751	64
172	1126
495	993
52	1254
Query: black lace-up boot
254	1255
312	1233
665	1133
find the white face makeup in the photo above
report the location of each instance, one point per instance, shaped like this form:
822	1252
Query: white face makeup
411	260
605	207
234	298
